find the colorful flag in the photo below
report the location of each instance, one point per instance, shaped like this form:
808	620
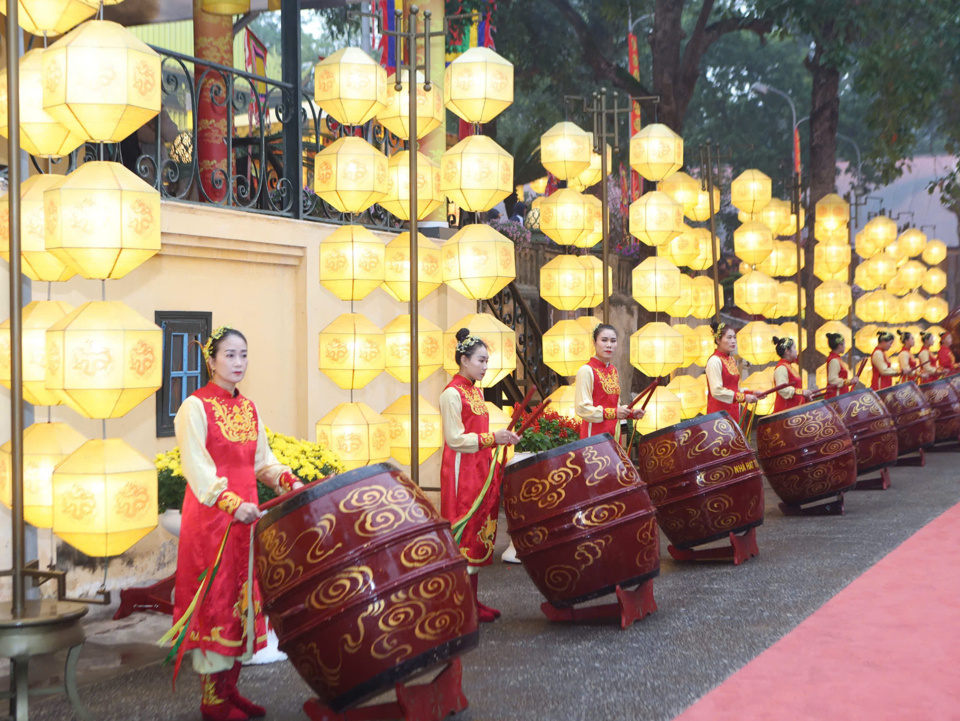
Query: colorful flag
388	43
255	61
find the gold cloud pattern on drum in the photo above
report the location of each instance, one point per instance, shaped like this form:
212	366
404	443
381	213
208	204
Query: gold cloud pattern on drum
421	551
384	510
599	515
549	492
341	588
562	578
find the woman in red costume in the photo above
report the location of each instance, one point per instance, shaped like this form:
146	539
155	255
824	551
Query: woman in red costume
927	358
467	452
945	358
787	373
597	390
723	375
838	374
224	451
909	365
883	372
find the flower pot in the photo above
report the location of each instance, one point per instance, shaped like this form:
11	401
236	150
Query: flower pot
170	520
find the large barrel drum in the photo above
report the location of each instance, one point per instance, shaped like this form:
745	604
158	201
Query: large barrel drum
911	415
703	478
806	453
945	404
581	520
871	428
363	583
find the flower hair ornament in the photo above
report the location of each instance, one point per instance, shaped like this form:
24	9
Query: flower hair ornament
719	334
215	336
468	343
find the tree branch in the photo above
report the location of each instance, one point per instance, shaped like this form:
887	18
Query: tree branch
760	26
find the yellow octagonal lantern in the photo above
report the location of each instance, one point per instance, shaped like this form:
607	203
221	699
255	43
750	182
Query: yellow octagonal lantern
395	116
350	174
396	273
751	191
913	242
101	81
397	198
478	85
776	216
106	357
792	227
566	216
896	252
396	336
833	326
831	261
656	152
829	234
832	300
37	263
102	220
37	317
51	17
786	304
478	262
935	310
877	234
590	238
683	189
704	257
350	85
44	446
934	281
595	265
656	284
707	344
683	306
656	349
593	172
935	252
400	420
352	351
878	306
565	150
683	249
564	401
761	381
663	410
898	286
880	270
704	301
356	433
589	323
655	218
755	342
566	347
782	261
912	274
832	211
755	291
501	342
566	283
865	339
691	344
752	242
701	211
690	392
912	307
352	262
476	173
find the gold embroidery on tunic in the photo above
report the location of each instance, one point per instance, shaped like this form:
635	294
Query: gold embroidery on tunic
731	365
609	380
237	424
474	397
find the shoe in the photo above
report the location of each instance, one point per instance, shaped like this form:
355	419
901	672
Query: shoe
485	613
244	704
510	555
215	705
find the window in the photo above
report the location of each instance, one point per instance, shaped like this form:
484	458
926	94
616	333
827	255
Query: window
183	368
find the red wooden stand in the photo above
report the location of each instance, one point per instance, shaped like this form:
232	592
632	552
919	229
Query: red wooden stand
631	606
879	483
432	701
740	549
147	598
918	460
831	508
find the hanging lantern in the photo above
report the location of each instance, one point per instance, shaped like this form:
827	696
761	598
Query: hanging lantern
791	330
663	410
499	421
356	433
881	270
352	262
832	300
876	307
912	274
935	310
755	291
102	220
397	198
683	306
565	150
896	252
761	381
396	336
782	261
592	174
913	242
566	347
37	263
934	281
912	307
704	257
37	317
935	252
655	218
707	345
691	395
751	191
400	420
565	216
752	242
701	211
350	86
831	261
501	343
897	286
755	342
792	227
878	233
683	189
395	116
829	234
566	283
478	262
704	301
775	215
51	17
832	212
594	264
691	344
656	349
564	401
396	267
476	173
865	339
681	250
833	326
352	351
786	303
44	446
350	174
478	85
106	357
656	284
589	323
656	152
101	82
594	209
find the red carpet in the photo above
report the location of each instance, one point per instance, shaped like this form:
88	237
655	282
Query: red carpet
886	647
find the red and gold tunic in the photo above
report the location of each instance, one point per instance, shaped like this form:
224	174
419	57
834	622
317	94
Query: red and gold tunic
883	372
945	358
597	396
909	366
927	361
723	385
467	453
789	397
837	375
223	450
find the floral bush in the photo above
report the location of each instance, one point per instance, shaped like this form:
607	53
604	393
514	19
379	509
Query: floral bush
308	460
513	230
551	430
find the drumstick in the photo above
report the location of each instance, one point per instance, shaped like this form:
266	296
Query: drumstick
519	409
863	364
764	394
649	389
534	415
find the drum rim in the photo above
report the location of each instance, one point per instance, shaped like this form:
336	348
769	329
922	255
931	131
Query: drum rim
313	491
895	386
803	407
554	452
685	424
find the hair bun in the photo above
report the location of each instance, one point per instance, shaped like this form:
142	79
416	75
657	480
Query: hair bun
714	326
463	334
902	334
776	341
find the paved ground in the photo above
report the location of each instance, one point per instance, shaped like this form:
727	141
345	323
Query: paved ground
712	620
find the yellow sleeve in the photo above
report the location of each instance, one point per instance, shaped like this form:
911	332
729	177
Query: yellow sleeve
715	381
834	366
780	376
880	365
266	466
903	358
583	395
451	409
926	364
190	426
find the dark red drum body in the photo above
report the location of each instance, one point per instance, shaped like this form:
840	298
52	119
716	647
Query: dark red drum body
945	404
871	428
911	416
581	520
806	453
363	583
703	478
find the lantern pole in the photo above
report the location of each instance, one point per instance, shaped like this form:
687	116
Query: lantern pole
713	224
795	203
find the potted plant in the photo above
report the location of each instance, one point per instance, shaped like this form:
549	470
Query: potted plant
551	430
